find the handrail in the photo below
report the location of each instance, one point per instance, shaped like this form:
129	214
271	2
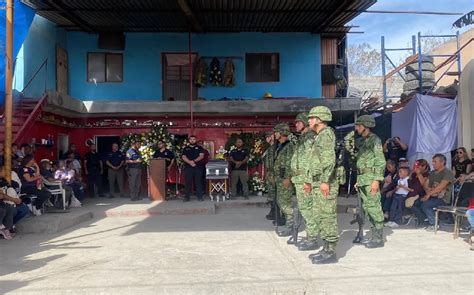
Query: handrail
45	63
26	124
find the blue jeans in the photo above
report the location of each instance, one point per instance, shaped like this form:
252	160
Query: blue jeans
470	217
428	206
21	212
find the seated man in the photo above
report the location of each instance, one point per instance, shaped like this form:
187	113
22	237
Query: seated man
388	188
438	189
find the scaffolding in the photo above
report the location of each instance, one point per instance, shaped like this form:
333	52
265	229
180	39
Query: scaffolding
417	55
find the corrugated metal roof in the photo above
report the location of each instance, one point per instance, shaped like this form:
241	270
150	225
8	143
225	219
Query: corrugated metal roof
318	16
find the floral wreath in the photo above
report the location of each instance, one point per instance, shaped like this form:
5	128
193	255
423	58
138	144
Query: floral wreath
254	142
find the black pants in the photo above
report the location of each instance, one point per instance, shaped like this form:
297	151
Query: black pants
7	213
193	174
94	183
41	195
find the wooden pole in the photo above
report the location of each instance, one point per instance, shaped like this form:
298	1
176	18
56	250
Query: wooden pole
8	91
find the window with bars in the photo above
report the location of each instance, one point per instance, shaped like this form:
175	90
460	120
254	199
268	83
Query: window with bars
262	67
104	67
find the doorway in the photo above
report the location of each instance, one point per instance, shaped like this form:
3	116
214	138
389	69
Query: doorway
63	145
61	71
176	76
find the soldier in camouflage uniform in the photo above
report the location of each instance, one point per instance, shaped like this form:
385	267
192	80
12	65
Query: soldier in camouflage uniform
370	170
298	162
321	183
282	173
268	159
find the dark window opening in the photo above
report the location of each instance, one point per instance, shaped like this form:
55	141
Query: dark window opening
262	67
104	67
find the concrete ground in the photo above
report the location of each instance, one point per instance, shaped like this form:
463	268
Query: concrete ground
233	251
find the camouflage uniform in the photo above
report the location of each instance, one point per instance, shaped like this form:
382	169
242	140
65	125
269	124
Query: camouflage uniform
268	161
282	170
299	161
370	167
321	169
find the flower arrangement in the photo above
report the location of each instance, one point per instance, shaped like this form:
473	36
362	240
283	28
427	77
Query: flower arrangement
253	142
178	152
220	153
256	183
350	146
148	141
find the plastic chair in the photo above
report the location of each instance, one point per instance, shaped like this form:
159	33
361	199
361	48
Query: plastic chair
56	188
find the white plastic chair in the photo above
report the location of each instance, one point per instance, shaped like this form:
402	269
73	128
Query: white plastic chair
56	188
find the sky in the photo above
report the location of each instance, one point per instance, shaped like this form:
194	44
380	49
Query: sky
398	28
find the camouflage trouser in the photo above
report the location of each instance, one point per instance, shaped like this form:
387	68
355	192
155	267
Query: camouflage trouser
372	206
270	188
305	204
284	196
325	212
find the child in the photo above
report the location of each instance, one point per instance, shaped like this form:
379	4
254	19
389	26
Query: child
398	203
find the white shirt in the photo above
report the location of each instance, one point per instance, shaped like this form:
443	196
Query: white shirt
402	191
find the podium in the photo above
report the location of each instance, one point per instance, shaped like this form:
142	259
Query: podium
157	180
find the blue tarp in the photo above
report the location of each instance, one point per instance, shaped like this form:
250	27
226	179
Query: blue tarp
22	18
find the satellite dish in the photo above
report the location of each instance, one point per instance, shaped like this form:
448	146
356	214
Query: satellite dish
89	142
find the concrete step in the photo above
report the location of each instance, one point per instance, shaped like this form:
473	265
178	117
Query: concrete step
53	222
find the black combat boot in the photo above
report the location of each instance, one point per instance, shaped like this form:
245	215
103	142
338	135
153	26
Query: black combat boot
329	256
271	214
377	239
321	252
291	241
365	239
309	244
287	230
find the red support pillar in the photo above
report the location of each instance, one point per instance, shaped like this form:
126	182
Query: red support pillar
190	81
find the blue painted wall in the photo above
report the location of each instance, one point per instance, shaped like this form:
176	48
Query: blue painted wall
39	45
300	66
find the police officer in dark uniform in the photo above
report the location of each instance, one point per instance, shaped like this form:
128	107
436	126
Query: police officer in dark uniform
238	159
192	154
94	171
134	171
166	154
115	161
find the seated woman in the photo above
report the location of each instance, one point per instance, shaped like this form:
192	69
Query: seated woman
388	188
416	182
12	189
67	175
31	184
47	173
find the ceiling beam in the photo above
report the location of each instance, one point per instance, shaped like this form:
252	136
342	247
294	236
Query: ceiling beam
192	19
69	15
339	8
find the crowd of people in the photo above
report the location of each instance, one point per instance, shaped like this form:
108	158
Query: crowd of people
393	193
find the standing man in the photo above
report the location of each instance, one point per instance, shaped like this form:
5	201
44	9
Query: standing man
370	170
115	160
268	160
166	154
192	155
321	184
298	162
94	170
134	170
238	159
281	170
